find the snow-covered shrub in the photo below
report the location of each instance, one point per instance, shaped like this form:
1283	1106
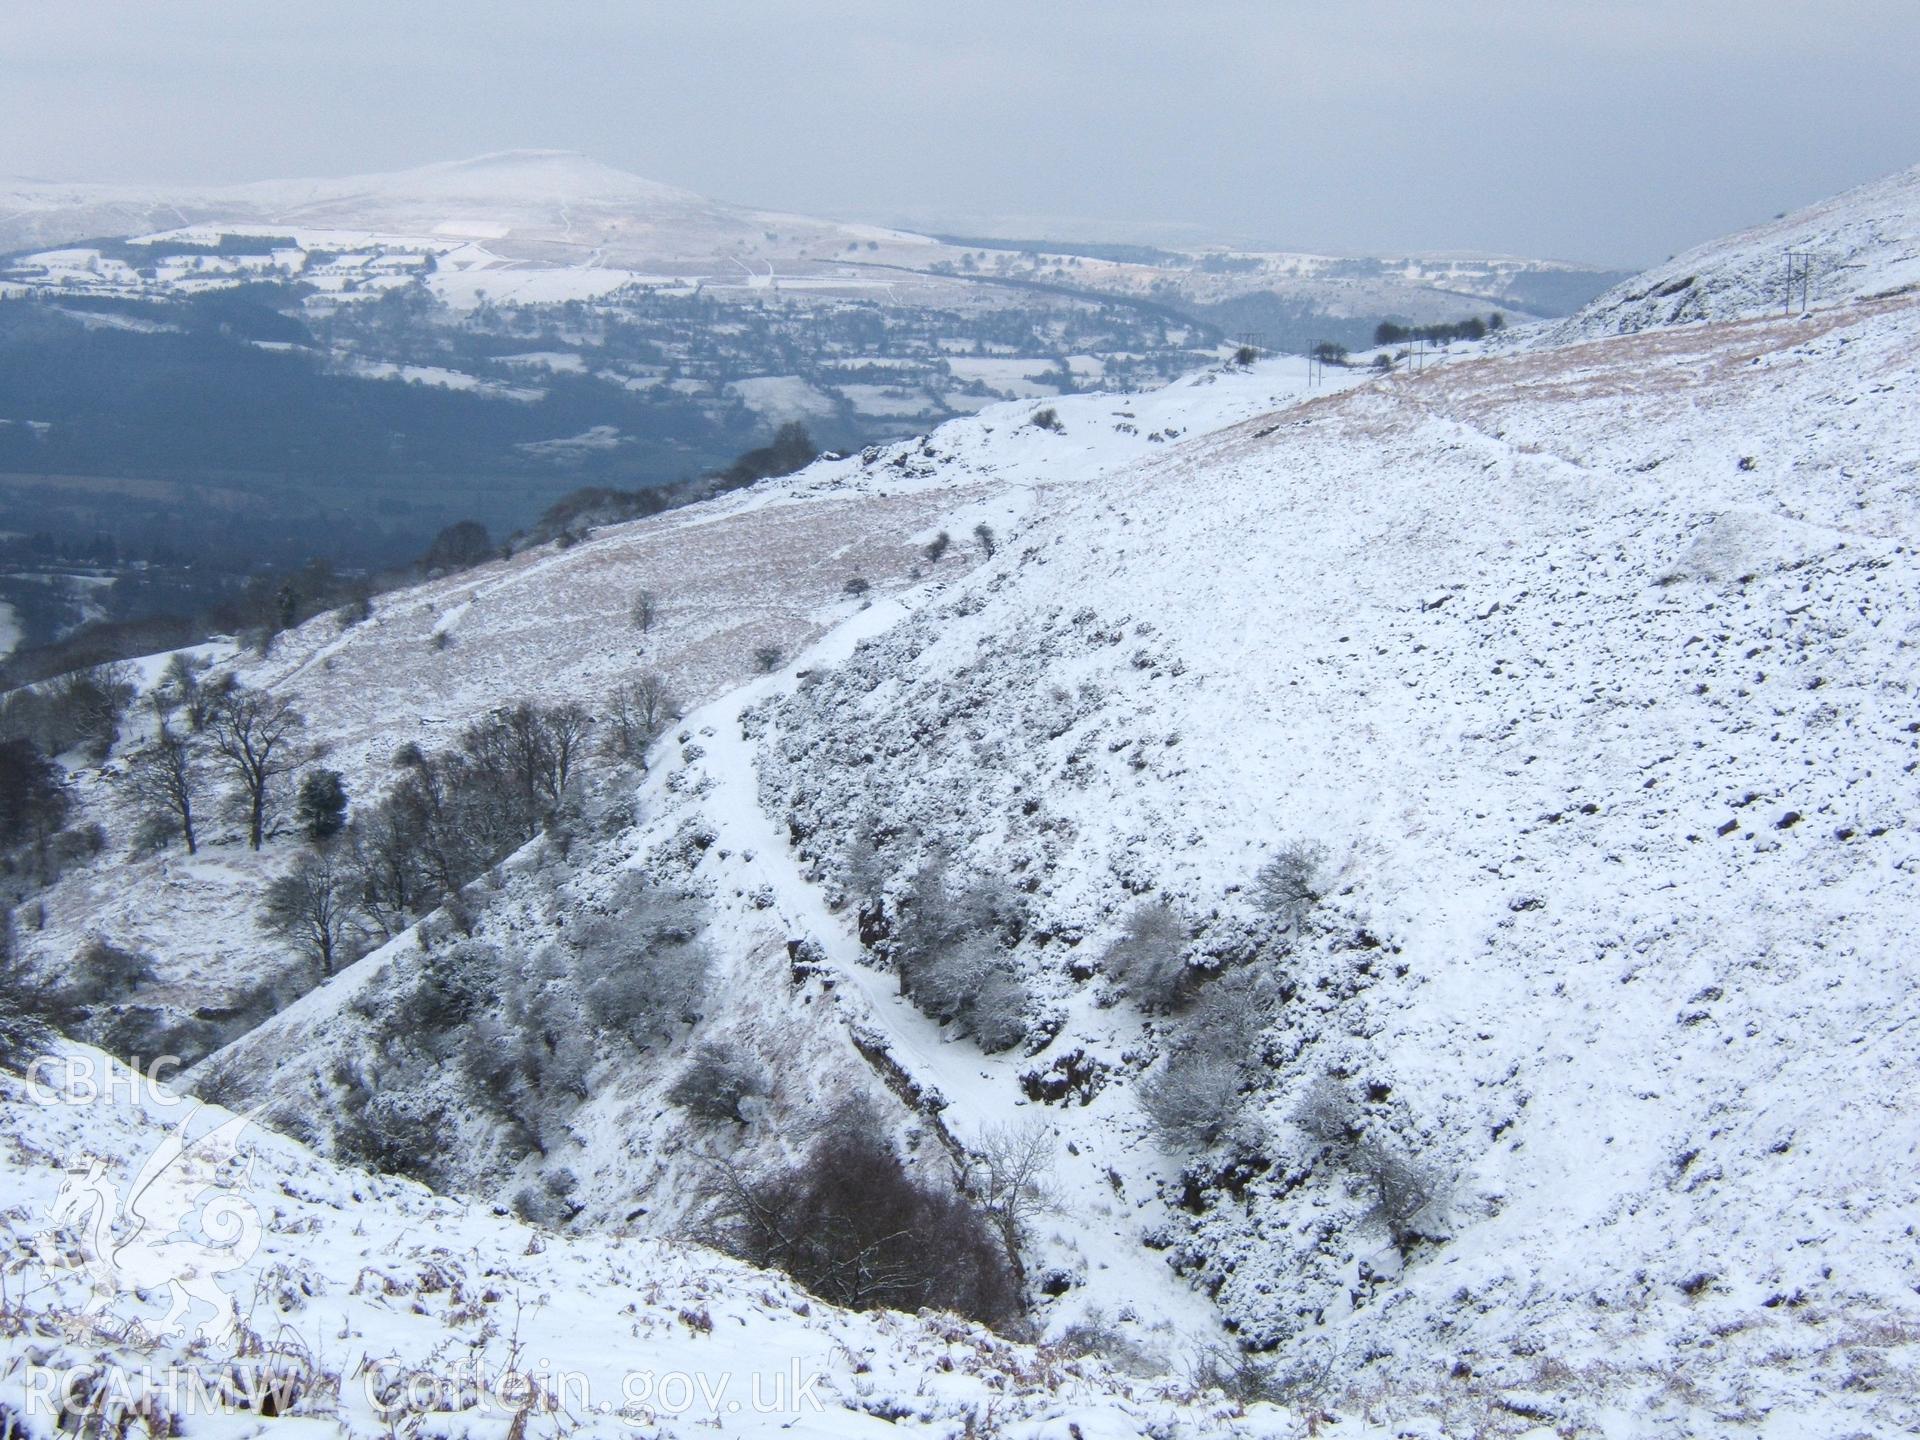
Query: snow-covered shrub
1292	882
946	945
717	1080
1327	1113
969	985
1245	1379
943	983
1148	961
997	1016
643	971
548	1202
1193	1099
24	1031
528	1063
451	986
1198	1092
79	710
1401	1186
399	1131
104	972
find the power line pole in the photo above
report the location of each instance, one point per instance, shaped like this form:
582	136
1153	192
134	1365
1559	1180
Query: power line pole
1799	269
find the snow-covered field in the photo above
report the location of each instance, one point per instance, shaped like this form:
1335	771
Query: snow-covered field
1585	659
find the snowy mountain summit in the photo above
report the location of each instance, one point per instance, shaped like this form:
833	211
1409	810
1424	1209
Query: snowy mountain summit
1369	905
551	204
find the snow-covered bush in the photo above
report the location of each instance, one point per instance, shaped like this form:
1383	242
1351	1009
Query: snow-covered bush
642	971
1243	1378
1148	961
1327	1113
1193	1099
996	1017
1399	1184
23	1019
1198	1092
104	972
1292	882
549	1200
947	947
716	1082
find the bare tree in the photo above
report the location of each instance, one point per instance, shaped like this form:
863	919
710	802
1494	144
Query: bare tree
566	725
638	711
1008	1181
167	776
255	733
767	658
646	610
983	532
309	906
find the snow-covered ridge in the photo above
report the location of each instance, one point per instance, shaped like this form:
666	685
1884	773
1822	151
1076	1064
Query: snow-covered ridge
1863	243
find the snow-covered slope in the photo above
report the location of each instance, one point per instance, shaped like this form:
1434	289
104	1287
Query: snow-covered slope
1571	1097
367	1306
1863	243
1589	670
765	567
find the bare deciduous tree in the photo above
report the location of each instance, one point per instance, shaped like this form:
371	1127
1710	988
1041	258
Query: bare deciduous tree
637	712
645	610
1008	1182
167	777
309	906
256	732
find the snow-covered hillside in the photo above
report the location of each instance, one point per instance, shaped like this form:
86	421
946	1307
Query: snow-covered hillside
1560	1081
367	1306
534	226
1855	246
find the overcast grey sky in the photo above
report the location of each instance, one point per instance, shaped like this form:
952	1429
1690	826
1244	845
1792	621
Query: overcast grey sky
1606	130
